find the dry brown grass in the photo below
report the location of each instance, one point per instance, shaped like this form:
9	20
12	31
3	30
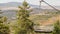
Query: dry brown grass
51	20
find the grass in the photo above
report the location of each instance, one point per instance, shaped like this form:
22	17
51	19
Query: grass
37	19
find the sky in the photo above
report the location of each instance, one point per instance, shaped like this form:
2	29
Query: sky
34	2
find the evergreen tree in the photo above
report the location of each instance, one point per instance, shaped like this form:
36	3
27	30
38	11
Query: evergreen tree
25	26
4	29
56	28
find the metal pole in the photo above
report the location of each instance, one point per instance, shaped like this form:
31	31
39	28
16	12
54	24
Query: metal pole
40	4
51	6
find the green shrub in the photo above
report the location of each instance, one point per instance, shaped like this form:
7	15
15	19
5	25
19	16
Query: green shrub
4	29
56	28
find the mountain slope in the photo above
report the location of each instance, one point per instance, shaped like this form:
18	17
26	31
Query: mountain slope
14	4
10	4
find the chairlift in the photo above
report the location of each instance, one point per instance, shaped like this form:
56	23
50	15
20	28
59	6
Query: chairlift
45	29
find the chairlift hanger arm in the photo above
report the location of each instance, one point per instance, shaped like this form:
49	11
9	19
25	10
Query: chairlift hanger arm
41	2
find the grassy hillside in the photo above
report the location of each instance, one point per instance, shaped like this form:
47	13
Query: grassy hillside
51	17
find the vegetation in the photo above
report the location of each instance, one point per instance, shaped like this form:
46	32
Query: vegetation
56	28
24	25
4	29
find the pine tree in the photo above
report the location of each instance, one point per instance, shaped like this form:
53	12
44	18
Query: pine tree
25	26
4	29
56	28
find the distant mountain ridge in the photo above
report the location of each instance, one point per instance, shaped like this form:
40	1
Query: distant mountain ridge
10	4
16	4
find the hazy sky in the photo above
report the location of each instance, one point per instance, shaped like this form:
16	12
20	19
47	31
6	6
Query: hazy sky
35	2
